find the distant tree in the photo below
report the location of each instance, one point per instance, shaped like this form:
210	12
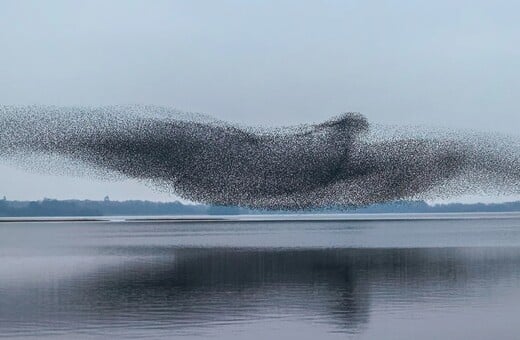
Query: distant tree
3	207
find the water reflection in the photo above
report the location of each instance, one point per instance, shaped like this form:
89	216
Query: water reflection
145	290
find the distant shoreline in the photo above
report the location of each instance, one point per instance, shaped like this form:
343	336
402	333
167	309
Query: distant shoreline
273	218
82	210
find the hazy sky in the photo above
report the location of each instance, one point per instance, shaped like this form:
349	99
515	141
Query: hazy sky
441	63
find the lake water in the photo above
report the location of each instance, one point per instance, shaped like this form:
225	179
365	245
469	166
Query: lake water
381	279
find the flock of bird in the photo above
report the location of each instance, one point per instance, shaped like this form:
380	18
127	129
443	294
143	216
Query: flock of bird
340	162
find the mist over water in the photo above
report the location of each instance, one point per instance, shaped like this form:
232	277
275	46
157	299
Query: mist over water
412	279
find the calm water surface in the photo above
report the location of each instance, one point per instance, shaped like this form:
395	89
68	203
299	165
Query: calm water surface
416	279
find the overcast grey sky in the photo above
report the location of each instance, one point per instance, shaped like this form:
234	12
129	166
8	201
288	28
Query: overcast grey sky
435	63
